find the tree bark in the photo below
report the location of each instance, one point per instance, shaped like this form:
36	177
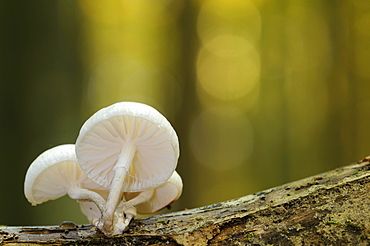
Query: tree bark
328	209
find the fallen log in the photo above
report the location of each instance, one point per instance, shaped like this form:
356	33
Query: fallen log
327	209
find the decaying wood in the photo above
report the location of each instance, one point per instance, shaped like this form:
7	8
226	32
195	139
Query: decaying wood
328	209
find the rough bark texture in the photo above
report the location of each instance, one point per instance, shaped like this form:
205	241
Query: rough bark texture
328	209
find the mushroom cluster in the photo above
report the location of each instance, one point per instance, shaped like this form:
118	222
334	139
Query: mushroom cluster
123	163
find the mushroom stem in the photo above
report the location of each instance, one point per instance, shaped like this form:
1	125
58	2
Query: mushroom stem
143	197
120	172
78	193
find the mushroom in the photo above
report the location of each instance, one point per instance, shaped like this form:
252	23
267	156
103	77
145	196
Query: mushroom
55	173
127	147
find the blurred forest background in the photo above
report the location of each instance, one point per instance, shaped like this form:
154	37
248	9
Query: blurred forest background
260	92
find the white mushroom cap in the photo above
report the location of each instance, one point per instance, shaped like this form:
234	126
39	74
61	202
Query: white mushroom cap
53	174
104	135
163	195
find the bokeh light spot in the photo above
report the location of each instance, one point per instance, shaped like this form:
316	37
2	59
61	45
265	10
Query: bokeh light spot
228	67
238	17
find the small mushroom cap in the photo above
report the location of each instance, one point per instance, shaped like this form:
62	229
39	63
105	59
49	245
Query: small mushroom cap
104	134
163	195
52	173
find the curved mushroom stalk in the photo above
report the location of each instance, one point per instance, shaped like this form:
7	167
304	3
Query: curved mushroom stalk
91	209
152	201
81	194
143	197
